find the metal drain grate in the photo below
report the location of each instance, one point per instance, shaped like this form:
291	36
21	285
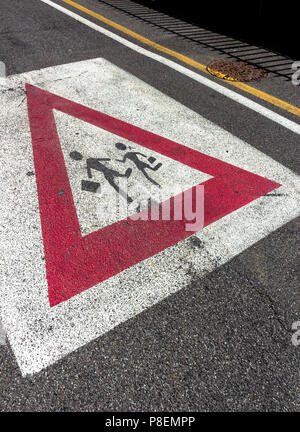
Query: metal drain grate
231	70
274	63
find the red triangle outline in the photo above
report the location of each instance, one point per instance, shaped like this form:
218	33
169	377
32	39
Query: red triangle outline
74	262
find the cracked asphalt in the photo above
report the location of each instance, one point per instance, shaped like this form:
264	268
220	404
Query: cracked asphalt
224	342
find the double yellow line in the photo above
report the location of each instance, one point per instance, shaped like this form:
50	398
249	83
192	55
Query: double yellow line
258	93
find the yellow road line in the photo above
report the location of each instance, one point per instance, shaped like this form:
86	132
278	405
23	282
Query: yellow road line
251	90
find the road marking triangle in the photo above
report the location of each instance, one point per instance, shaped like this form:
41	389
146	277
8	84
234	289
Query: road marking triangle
74	262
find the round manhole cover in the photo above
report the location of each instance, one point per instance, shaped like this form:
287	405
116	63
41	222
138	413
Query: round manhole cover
236	71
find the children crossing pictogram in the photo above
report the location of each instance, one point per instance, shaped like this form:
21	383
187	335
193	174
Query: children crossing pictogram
111	175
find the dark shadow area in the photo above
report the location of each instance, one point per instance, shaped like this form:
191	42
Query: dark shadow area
269	24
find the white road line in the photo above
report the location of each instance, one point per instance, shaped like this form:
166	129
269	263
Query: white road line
288	124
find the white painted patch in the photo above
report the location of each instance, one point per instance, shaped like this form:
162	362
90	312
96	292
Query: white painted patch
2	335
39	335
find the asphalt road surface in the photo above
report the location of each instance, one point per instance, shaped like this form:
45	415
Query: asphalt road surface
211	328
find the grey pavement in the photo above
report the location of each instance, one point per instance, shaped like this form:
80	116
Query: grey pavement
223	343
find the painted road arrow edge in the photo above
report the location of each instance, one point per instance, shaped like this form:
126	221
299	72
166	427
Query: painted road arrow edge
74	262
